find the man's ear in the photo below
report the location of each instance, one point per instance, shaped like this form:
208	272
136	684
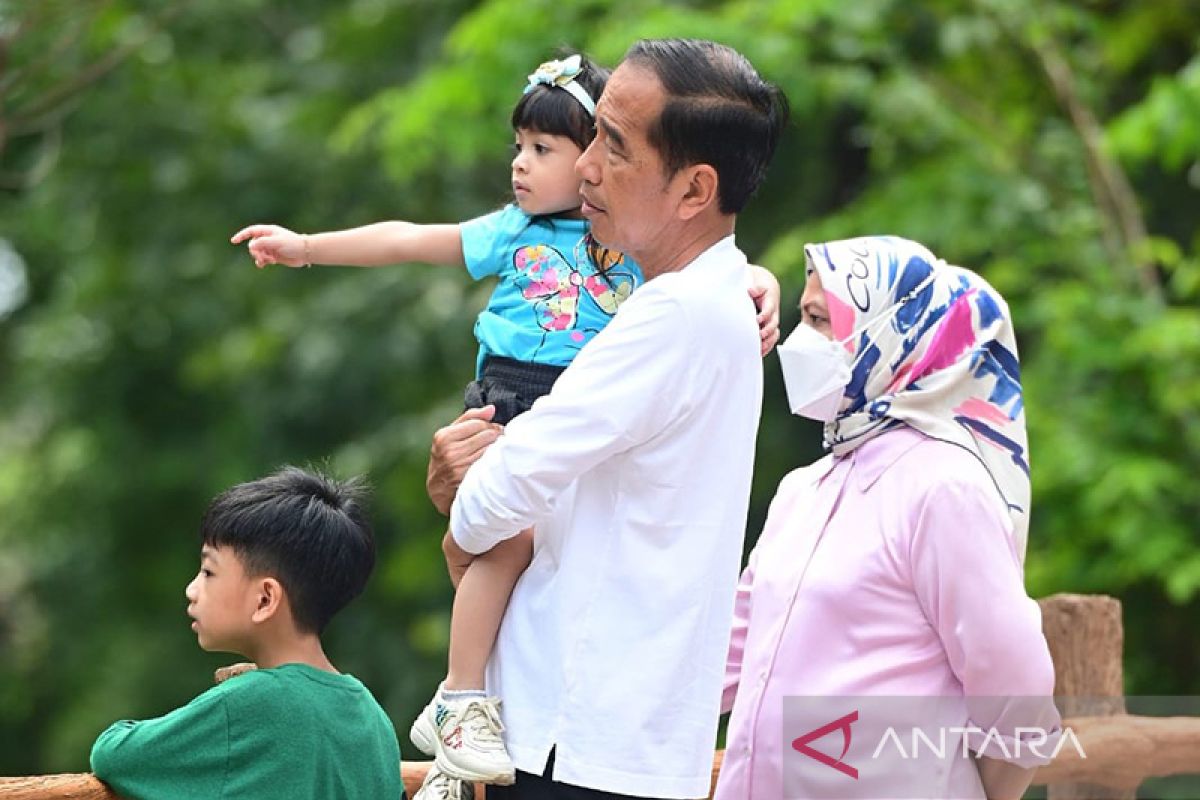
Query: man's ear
699	191
268	601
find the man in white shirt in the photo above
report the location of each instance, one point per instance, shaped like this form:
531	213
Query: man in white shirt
635	470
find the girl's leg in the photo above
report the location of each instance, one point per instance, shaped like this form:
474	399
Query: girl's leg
479	607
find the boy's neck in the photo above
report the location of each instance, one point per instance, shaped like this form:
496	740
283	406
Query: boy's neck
304	649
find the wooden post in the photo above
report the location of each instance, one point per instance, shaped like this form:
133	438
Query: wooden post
1086	641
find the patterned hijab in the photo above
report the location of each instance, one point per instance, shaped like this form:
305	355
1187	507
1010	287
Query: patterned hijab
942	359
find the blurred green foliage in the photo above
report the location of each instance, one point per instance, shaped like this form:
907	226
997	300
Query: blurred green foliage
145	364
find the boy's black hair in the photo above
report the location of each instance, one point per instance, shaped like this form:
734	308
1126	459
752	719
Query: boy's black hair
718	111
306	530
549	109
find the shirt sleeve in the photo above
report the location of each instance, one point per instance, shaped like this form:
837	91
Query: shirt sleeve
182	754
968	581
485	238
630	383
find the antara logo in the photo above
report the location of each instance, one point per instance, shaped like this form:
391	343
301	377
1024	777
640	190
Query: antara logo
800	744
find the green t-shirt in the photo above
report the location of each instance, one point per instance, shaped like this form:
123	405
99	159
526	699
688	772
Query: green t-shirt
290	732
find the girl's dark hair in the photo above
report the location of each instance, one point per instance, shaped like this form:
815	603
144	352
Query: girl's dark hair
549	109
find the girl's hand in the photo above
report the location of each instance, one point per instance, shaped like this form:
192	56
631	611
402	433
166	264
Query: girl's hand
271	244
764	291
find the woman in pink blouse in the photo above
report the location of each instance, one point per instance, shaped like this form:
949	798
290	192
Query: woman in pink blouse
886	591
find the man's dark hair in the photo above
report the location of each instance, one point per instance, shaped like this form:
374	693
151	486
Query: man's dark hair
552	110
308	531
718	111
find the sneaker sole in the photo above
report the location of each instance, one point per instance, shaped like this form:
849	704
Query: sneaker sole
497	778
466	792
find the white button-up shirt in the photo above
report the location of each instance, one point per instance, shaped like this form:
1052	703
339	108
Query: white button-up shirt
635	471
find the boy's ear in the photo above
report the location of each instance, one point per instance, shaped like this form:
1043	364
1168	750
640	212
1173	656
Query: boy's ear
268	601
700	191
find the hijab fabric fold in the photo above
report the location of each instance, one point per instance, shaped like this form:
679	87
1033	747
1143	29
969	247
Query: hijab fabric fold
941	359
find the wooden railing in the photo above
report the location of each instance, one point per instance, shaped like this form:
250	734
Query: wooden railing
1086	642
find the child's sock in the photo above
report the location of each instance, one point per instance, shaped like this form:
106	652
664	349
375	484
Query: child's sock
450	695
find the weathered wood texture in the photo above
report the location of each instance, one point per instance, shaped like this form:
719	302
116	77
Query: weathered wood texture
1087	639
83	786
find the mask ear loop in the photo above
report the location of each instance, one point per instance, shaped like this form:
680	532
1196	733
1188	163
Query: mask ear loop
888	312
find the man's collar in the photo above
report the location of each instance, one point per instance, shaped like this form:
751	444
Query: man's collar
720	252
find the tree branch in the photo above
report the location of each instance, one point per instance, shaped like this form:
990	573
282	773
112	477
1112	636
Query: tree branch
1125	233
97	69
51	150
53	54
1113	183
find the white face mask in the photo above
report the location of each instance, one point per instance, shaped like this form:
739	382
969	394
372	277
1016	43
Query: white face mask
815	372
816	369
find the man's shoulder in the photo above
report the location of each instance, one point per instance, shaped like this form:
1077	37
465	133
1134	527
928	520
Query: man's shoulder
710	275
712	294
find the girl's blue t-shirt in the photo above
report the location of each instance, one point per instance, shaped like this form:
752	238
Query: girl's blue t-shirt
550	299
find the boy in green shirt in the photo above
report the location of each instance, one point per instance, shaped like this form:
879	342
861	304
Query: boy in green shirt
279	557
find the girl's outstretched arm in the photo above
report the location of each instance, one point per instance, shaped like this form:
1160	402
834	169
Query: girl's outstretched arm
374	245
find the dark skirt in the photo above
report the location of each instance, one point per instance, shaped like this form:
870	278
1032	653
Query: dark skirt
510	385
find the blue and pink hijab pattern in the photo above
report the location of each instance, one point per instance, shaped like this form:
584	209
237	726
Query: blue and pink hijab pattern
944	361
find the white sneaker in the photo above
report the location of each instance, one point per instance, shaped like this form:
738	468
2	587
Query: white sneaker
463	736
440	786
423	732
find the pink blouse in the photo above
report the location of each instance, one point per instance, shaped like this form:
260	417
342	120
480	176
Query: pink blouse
888	572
